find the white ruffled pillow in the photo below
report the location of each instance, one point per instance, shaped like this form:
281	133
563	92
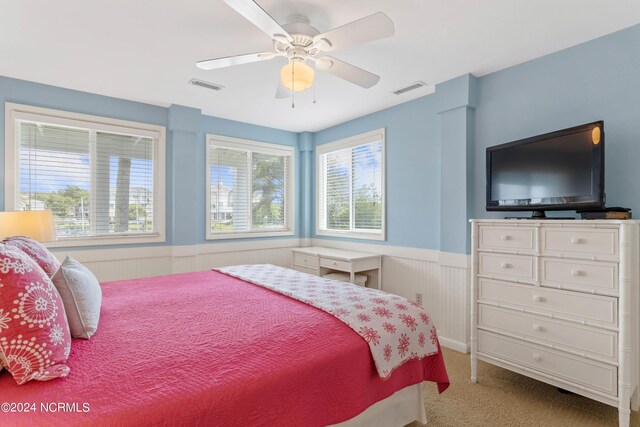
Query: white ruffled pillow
81	295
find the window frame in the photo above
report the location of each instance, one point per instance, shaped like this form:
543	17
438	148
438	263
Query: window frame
350	142
260	147
15	112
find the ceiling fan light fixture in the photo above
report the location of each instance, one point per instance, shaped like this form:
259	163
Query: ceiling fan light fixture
297	76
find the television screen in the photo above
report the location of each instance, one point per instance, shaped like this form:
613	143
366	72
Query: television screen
562	170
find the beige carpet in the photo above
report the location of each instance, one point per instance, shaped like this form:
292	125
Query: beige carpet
504	398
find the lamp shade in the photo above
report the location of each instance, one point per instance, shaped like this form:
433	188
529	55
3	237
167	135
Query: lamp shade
37	225
296	76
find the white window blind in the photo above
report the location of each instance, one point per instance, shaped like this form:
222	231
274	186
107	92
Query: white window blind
98	180
230	184
351	186
250	188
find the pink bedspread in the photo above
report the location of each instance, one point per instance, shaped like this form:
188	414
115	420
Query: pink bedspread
208	349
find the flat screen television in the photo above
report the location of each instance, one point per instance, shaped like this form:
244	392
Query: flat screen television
562	170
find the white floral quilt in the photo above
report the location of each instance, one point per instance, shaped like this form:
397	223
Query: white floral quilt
395	328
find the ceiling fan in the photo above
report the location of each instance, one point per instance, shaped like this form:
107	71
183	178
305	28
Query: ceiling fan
300	42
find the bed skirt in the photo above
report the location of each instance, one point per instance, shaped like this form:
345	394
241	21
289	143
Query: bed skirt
401	408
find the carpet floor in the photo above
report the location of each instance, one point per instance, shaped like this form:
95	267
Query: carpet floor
504	398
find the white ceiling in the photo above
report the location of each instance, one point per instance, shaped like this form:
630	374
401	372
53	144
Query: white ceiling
145	50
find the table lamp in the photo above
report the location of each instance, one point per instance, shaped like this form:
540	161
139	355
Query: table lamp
37	225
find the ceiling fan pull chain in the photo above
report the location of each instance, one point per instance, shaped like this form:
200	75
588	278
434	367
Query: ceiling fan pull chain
314	93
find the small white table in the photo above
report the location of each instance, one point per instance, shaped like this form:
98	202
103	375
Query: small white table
319	261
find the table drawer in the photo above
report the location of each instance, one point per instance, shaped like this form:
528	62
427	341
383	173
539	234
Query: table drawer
591	374
580	242
309	261
591	308
335	264
579	275
510	267
506	238
573	337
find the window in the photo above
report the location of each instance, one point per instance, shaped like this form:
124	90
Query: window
351	193
103	179
249	188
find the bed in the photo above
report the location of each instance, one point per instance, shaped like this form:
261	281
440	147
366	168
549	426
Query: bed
207	348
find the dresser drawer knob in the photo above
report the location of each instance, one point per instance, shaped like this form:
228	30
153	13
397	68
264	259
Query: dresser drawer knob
505	265
305	260
536	357
577	240
538	298
335	263
505	237
538	328
577	273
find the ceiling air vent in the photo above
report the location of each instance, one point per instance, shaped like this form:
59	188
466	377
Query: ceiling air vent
206	85
416	85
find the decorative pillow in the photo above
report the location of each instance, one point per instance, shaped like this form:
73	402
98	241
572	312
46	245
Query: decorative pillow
34	334
81	295
37	251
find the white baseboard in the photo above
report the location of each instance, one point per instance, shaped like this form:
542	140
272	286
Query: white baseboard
454	345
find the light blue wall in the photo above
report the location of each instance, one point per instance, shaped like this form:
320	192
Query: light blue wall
412	169
596	80
457	100
185	163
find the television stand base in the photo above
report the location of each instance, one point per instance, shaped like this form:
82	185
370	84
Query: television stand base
564	218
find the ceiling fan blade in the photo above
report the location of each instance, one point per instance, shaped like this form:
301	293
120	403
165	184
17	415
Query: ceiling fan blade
347	71
258	17
372	27
212	64
281	91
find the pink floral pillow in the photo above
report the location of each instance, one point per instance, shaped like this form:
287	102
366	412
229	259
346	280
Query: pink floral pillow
34	334
37	251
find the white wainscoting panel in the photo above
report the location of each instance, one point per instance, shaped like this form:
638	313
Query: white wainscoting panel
107	271
441	278
133	263
209	260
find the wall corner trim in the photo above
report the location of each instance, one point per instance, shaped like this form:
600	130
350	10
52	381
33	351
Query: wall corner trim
305	141
183	119
457	93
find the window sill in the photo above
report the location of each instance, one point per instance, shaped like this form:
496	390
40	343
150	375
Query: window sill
248	235
106	240
352	235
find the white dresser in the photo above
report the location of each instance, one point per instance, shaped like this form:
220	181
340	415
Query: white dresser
558	301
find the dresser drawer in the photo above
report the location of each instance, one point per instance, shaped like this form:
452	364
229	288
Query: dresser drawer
569	336
509	267
506	238
304	260
590	308
579	275
580	242
335	264
591	374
